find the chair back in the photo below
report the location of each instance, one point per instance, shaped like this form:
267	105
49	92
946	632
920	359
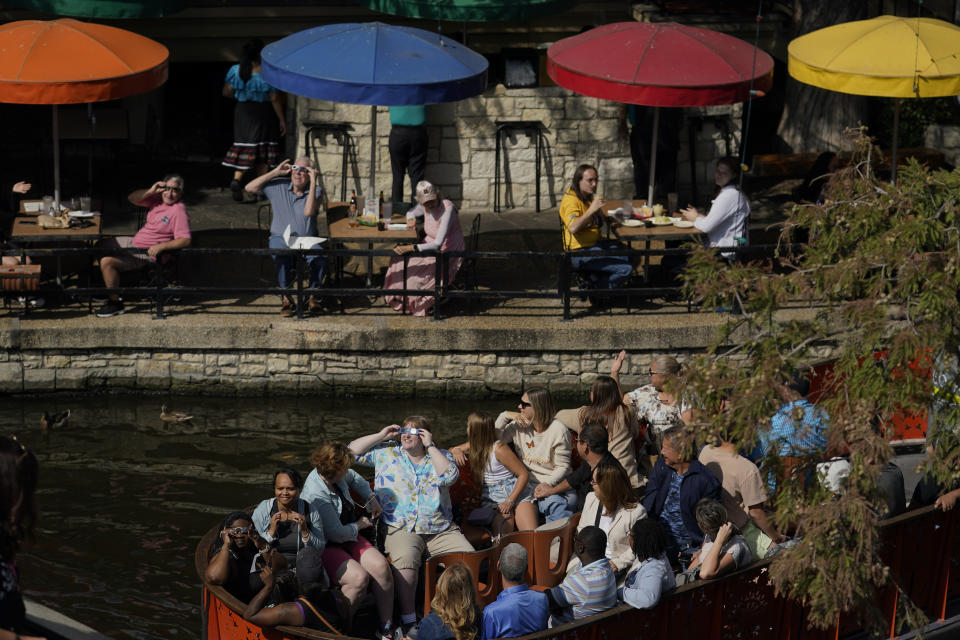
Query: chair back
487	588
548	573
525	540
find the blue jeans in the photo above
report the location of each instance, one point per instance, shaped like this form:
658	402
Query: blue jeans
286	267
604	272
560	505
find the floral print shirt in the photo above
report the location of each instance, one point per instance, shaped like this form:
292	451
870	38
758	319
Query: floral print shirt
414	497
646	402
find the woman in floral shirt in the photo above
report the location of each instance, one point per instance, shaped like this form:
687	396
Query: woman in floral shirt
655	404
18	481
412	483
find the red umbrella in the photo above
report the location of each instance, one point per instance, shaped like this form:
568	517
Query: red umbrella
659	65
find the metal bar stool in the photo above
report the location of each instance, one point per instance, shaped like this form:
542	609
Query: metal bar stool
341	133
534	129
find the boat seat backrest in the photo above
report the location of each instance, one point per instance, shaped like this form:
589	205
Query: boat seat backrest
483	566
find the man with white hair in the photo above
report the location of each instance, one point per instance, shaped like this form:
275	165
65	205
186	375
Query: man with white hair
294	197
167	228
518	610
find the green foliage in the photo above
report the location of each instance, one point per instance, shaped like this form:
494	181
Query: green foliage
880	275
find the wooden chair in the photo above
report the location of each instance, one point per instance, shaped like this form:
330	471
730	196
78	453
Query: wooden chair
547	573
487	590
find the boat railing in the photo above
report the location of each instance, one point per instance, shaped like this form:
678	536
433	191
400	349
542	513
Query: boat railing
921	548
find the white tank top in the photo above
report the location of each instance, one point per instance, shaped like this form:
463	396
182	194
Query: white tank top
495	471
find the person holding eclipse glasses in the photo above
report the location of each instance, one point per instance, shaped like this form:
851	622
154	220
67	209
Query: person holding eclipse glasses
412	480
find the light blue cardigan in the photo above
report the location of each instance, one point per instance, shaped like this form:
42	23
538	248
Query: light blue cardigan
261	520
327	503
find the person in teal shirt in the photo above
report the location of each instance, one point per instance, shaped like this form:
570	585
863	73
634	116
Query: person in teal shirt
408	147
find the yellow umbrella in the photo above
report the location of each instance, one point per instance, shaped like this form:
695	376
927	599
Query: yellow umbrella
886	56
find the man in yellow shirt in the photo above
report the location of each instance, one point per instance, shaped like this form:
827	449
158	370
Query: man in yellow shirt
581	212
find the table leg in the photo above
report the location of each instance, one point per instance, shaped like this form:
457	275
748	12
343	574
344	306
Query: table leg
646	262
369	266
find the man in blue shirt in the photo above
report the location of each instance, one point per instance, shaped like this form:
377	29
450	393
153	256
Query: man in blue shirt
518	610
678	482
294	196
796	429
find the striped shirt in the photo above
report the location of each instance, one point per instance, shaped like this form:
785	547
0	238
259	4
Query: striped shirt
587	591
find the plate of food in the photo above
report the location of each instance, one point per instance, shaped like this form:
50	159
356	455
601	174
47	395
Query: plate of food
661	221
632	223
680	223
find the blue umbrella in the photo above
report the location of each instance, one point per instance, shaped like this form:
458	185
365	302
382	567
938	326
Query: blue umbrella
376	64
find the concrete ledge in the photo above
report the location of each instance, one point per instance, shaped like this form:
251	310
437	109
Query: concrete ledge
375	334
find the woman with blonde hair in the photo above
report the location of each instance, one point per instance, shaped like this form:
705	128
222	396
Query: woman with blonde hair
657	405
454	614
350	559
501	476
614	508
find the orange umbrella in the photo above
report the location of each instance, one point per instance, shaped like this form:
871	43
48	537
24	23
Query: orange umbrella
68	62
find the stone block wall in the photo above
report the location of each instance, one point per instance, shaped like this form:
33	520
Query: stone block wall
461	158
945	138
401	374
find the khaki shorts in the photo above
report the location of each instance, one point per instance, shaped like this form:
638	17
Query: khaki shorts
127	261
406	548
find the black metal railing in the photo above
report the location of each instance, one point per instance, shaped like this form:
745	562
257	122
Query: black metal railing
161	286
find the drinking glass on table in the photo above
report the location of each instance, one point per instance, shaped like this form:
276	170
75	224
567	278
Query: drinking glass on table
352	217
85	204
47	207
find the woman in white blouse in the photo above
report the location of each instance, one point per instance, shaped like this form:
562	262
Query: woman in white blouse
726	222
612	506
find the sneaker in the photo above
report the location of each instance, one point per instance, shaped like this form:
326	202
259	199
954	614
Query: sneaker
314	306
236	190
34	303
387	633
288	310
110	309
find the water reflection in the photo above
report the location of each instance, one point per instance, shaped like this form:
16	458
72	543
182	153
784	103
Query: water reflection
124	496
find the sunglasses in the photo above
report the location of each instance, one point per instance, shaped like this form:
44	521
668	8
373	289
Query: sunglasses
173	189
525	404
299	169
239	531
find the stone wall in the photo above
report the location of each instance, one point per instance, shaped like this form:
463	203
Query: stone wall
406	374
461	158
945	138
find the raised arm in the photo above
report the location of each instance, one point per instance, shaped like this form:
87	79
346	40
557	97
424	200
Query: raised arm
142	197
257	184
364	443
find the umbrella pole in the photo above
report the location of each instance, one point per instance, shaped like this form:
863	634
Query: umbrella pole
653	155
896	134
373	150
56	159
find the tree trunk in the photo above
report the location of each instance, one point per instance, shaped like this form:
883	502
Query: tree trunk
814	119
